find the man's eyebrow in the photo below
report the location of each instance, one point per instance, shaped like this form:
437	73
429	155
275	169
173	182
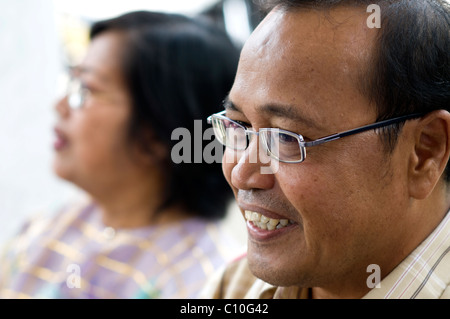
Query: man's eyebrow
229	105
289	112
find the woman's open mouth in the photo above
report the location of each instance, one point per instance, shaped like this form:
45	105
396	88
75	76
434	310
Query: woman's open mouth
61	141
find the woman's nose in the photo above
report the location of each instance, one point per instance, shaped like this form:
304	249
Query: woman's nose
62	107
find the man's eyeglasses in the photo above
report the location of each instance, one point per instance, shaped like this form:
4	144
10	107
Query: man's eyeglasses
282	145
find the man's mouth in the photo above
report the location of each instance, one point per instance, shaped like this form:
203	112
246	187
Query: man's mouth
266	223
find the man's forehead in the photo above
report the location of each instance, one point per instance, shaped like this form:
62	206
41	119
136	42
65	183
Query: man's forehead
343	28
305	56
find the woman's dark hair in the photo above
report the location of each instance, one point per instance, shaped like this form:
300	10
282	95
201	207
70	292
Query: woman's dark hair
409	71
178	70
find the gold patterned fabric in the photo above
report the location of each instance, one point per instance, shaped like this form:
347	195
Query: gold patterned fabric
73	255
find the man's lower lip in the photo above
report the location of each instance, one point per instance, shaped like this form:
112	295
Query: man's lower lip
263	234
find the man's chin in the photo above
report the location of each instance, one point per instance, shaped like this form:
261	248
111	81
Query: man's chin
268	268
278	267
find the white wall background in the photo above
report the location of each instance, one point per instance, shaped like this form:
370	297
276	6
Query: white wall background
29	68
30	64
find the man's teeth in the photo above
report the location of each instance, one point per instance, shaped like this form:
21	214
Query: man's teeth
265	222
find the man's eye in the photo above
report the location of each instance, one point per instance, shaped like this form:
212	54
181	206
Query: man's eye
286	138
234	124
243	124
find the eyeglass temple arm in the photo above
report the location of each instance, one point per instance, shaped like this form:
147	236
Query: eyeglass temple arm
361	129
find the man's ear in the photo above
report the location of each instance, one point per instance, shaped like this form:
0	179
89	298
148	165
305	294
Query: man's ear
431	153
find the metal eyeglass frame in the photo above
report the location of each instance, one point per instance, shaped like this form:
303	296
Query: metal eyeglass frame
76	93
300	139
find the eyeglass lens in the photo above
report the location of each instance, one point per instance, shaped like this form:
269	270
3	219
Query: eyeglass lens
75	93
281	145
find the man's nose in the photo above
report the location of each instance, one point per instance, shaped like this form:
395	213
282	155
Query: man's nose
253	169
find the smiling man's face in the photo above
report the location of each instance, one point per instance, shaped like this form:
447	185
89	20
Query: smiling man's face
301	71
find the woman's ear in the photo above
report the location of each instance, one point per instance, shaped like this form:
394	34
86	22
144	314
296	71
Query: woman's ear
150	150
431	153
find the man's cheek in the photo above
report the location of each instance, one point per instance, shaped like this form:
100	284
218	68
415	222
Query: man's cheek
227	168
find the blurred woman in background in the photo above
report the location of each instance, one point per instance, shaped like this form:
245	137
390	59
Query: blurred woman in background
148	228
